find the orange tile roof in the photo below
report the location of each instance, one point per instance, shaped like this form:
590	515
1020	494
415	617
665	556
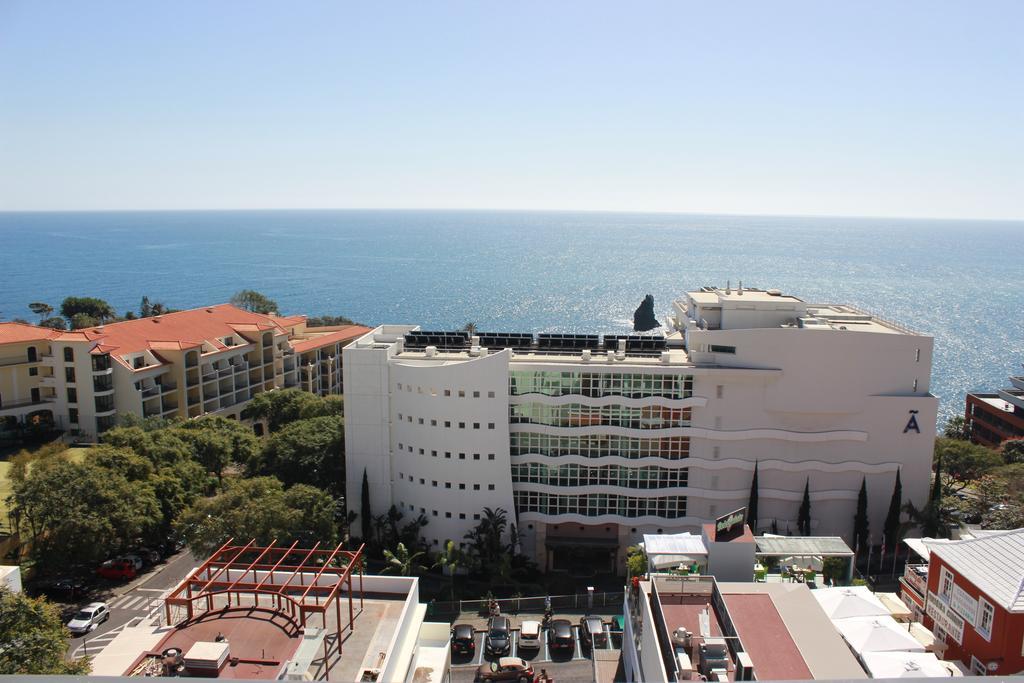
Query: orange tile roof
184	329
346	333
13	333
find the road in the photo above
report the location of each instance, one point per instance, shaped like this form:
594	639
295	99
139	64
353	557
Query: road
130	602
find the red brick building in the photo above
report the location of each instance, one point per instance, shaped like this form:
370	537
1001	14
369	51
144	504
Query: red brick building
995	417
975	601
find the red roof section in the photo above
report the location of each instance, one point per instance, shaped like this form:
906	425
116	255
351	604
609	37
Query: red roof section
346	333
14	333
765	636
183	329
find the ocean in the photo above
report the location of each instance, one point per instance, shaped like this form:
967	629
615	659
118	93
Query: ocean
959	281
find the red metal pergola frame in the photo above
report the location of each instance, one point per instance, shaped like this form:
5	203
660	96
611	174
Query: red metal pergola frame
297	601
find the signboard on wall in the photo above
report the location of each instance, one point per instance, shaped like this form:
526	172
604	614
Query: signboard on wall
963	604
945	618
730	526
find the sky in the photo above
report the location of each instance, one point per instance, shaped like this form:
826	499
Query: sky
910	108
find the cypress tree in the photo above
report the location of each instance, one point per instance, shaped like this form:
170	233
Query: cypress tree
752	503
892	520
933	513
860	520
803	520
366	513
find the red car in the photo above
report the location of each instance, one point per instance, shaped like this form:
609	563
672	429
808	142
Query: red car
118	570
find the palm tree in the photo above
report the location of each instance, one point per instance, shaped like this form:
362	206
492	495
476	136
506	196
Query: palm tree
403	562
469	327
43	310
450	560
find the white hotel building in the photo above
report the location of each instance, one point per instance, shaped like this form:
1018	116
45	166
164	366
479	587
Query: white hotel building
589	443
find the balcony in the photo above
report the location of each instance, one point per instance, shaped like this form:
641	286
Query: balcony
916	576
168	387
9	407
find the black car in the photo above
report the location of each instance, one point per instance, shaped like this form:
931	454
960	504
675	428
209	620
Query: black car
463	639
560	635
498	640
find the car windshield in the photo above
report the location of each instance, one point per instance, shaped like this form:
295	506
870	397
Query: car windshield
83	615
498	632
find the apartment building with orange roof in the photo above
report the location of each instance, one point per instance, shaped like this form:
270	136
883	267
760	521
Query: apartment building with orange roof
204	361
26	385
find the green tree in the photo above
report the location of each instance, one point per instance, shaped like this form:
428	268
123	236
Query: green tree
80	512
33	640
89	307
803	519
860	519
43	310
934	520
636	561
449	561
251	300
365	511
124	461
56	323
218	442
752	502
957	428
964	461
145	309
486	538
328	321
260	509
402	562
283	406
469	327
891	528
306	452
81	320
1012	450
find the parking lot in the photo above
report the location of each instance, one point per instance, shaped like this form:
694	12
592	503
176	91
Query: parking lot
576	666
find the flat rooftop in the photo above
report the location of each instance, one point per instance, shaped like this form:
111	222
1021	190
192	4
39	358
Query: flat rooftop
780	626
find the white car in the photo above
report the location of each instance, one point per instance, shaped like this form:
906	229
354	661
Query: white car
529	635
88	618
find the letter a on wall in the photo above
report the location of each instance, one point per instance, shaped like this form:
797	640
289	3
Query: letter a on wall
912	423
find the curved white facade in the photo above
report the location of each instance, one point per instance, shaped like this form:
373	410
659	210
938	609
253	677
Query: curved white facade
588	449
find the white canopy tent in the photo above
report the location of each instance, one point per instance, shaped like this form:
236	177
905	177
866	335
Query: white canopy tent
670	550
876	634
907	665
850	601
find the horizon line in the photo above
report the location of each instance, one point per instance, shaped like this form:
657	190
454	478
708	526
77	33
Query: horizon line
517	210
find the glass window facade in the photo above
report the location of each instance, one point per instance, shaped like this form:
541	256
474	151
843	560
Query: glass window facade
647	477
578	415
597	504
599	445
595	384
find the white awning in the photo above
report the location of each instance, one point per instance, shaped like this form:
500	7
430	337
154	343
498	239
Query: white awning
849	601
669	550
876	634
907	665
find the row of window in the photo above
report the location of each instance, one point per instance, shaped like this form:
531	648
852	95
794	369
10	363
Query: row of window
978	613
447	454
599	445
461	486
447	423
596	384
448	393
434	513
597	504
648	477
578	415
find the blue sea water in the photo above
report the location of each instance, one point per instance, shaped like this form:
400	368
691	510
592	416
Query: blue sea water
524	271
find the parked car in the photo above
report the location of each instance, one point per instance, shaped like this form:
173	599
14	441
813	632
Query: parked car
498	640
135	560
118	570
148	555
560	635
529	635
88	618
506	669
592	632
463	639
